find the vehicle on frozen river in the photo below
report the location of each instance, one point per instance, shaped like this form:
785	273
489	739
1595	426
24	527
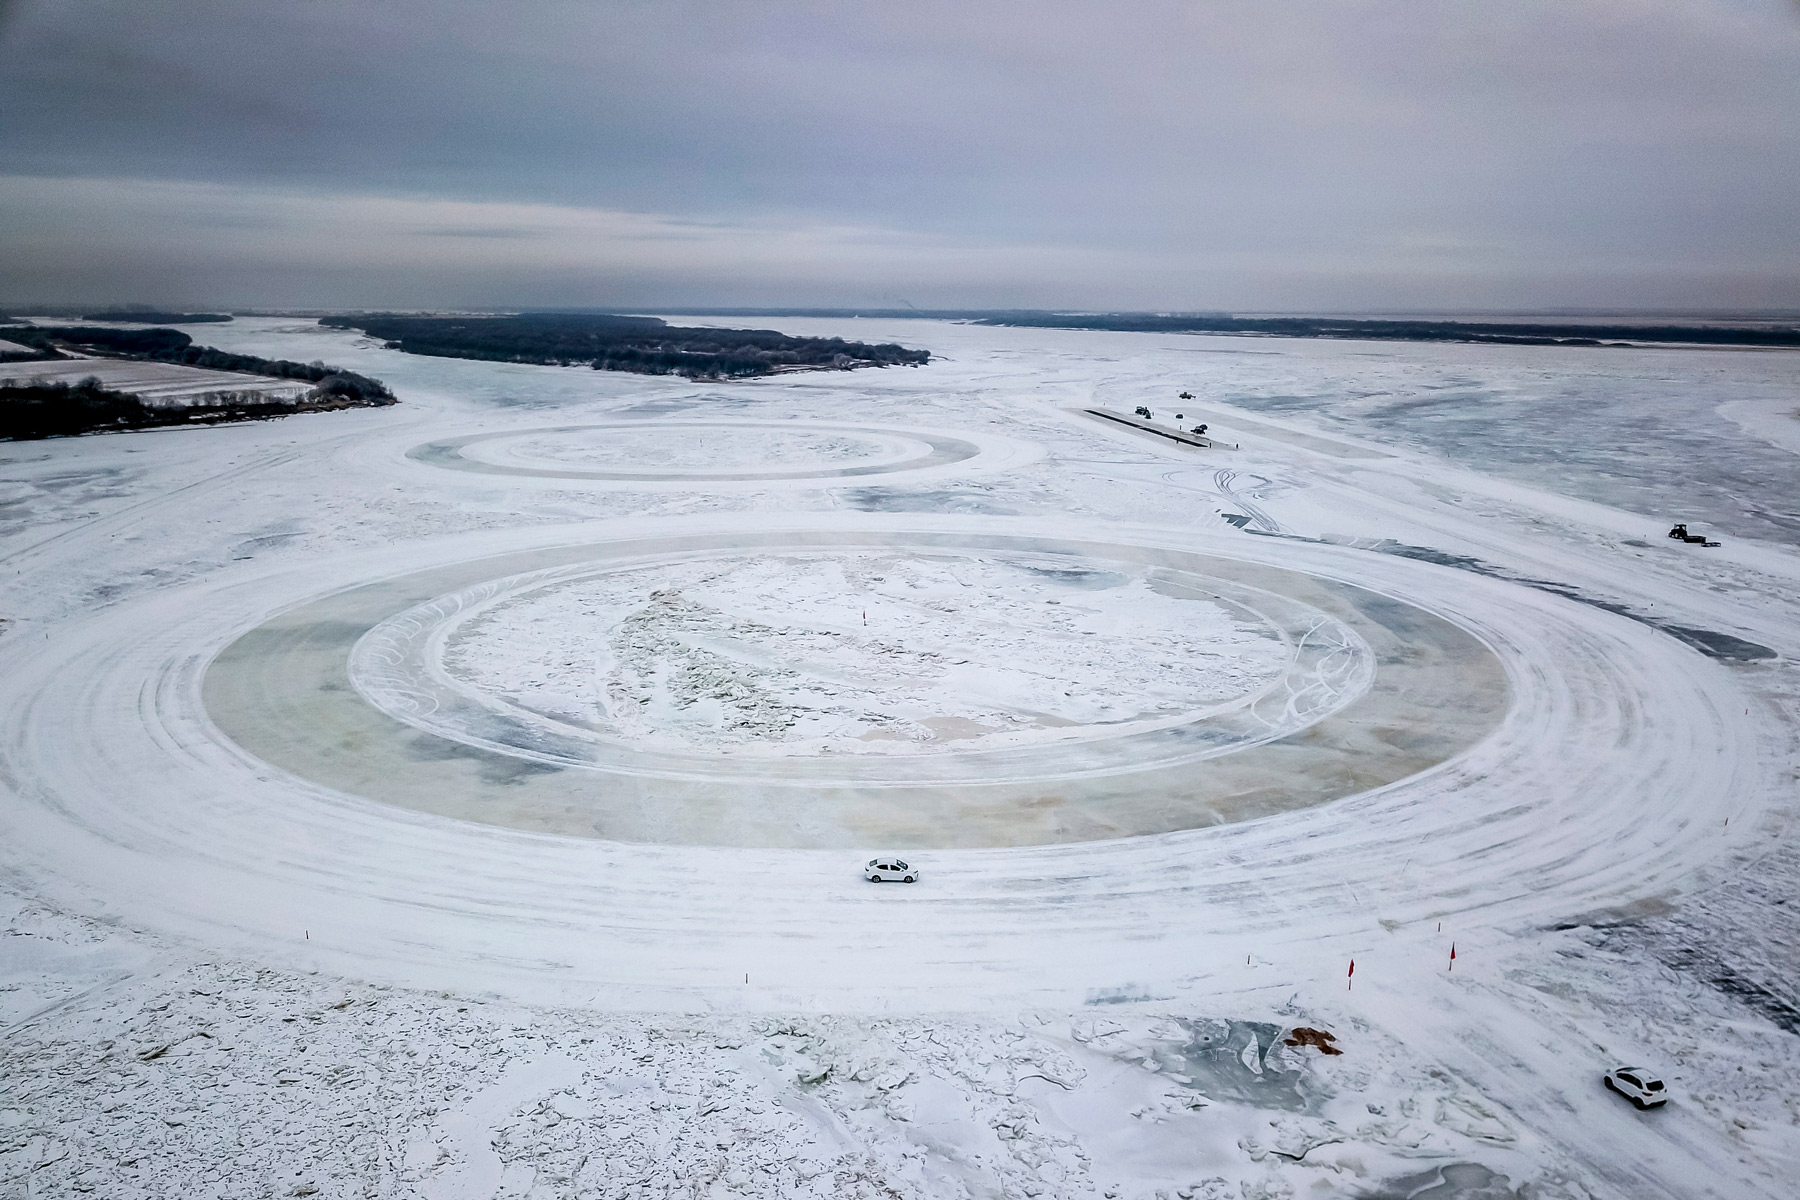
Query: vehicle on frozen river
887	870
1638	1086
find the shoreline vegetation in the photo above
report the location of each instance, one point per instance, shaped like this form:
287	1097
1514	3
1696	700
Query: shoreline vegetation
1540	332
613	342
128	316
1480	332
31	411
35	409
146	316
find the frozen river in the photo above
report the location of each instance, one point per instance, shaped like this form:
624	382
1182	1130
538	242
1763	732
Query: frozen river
458	798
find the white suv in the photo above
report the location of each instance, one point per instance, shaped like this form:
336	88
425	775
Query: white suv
887	870
1638	1086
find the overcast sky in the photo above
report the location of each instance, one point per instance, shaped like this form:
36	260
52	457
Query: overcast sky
1344	155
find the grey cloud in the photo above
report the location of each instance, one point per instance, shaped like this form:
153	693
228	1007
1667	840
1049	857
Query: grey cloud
479	231
1228	154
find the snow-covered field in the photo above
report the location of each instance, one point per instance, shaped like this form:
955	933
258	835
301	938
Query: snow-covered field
465	799
168	385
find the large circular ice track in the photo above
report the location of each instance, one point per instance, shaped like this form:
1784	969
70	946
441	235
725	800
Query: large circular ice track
1611	768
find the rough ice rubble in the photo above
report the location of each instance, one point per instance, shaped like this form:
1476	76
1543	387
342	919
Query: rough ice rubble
212	1079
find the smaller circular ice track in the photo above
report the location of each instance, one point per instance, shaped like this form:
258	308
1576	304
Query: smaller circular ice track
690	452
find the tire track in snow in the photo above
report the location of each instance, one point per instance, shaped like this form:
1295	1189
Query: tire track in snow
1225	480
475	1171
128	515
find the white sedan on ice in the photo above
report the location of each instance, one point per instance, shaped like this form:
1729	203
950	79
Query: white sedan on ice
1638	1086
887	870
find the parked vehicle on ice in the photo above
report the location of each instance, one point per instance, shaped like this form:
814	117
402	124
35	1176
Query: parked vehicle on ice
1638	1086
887	870
1680	533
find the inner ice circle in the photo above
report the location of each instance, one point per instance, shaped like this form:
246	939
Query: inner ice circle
871	654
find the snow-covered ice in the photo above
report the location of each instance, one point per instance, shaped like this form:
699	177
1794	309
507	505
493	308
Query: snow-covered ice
310	732
778	653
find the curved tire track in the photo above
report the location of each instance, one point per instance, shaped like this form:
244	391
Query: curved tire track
1608	780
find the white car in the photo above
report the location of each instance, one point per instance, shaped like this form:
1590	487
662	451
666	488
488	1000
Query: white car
887	870
1638	1086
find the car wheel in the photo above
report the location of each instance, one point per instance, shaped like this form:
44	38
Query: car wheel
1609	1085
908	879
1640	1104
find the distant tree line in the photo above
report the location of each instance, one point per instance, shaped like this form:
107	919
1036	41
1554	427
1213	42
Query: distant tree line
645	345
147	316
14	348
1561	333
1498	332
29	411
173	346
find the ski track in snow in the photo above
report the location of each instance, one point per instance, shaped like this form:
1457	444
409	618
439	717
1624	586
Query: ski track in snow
176	894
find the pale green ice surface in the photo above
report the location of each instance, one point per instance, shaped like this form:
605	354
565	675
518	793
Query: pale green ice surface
283	691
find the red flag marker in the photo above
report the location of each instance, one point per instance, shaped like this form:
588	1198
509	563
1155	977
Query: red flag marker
1351	976
1453	956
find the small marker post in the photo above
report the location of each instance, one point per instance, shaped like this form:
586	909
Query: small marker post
1350	976
1452	956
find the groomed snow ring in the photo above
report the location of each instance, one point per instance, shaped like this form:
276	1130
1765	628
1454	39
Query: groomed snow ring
722	664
